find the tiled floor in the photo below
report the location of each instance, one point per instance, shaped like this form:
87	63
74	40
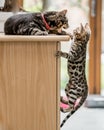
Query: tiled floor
85	119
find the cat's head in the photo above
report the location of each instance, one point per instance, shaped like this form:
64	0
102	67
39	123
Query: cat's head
56	20
82	33
81	37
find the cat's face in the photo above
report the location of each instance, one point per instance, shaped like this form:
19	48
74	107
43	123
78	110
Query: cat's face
82	33
57	20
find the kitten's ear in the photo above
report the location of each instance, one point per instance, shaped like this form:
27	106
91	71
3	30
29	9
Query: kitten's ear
87	27
63	12
82	28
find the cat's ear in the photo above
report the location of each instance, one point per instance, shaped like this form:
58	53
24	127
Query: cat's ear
63	12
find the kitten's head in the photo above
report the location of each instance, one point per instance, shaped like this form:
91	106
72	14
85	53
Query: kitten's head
82	33
56	20
81	36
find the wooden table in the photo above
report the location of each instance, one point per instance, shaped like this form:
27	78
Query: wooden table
29	82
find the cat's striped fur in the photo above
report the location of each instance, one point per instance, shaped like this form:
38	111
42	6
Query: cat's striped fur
37	23
77	86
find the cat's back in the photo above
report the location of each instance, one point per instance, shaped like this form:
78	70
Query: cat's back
15	20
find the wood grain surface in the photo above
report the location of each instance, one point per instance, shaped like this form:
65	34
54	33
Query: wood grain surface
48	38
28	86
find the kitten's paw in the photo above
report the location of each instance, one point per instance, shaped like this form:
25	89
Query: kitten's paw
61	109
61	98
58	54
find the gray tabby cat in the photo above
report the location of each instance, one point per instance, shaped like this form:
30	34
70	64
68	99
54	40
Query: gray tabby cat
51	22
76	88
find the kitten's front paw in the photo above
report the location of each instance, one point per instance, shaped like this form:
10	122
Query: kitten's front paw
58	54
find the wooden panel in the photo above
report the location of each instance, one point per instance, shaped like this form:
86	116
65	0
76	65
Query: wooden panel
28	86
58	67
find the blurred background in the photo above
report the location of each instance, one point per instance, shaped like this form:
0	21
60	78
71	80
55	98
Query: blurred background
79	11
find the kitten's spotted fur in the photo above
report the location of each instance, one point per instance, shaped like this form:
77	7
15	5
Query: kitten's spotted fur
36	23
77	86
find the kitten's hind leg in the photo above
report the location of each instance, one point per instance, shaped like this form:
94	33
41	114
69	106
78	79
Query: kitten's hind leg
65	110
63	100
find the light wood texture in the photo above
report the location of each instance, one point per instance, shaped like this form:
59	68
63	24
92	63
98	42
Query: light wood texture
58	68
34	38
29	85
95	50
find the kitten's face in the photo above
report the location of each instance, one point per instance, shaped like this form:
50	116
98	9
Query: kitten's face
57	20
82	33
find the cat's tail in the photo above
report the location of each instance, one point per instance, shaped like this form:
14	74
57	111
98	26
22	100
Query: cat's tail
83	98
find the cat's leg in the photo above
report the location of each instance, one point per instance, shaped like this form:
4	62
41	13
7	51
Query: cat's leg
65	110
63	100
62	54
72	97
36	31
29	30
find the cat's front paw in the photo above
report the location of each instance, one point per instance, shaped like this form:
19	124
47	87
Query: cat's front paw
58	54
42	33
71	36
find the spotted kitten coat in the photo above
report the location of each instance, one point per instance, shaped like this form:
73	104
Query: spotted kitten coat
37	23
77	86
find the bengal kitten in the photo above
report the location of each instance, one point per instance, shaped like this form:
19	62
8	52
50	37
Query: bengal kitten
51	22
76	88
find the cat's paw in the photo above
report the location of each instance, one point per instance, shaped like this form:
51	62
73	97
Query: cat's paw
58	54
71	36
42	33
